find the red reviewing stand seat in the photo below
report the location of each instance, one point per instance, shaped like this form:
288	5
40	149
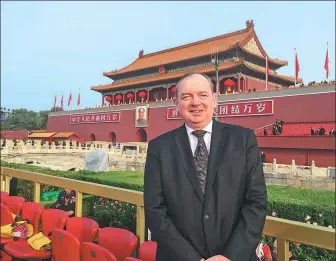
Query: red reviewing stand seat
118	241
51	219
14	203
93	252
31	211
6	216
65	246
85	229
3	195
147	252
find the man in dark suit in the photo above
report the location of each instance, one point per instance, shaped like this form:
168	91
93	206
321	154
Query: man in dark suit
205	193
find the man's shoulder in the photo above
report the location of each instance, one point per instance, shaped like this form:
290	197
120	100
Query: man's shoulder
163	138
236	129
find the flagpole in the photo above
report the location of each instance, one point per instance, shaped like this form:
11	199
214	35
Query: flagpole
327	59
78	99
294	67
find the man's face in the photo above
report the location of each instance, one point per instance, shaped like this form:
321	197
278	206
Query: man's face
196	101
141	113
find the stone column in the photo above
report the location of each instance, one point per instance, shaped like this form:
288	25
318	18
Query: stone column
274	165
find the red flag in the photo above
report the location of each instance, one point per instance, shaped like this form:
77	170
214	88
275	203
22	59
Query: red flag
62	102
297	67
326	64
267	72
70	99
78	100
55	103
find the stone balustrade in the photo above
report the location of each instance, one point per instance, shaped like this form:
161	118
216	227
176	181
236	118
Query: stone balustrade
300	171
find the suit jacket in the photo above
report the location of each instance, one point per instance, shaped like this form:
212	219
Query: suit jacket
228	219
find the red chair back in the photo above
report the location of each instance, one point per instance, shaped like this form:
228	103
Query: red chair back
6	216
147	251
51	219
93	252
65	246
14	203
118	241
3	195
33	212
85	229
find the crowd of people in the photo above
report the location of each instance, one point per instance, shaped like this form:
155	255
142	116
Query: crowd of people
276	128
321	131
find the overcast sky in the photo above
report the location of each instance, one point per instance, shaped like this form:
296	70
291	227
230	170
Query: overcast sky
58	47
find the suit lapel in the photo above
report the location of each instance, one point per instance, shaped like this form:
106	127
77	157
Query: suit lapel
184	149
216	148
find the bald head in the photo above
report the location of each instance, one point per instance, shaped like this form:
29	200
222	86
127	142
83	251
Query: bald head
197	76
195	100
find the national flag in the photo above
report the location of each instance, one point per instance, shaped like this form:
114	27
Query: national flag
70	99
297	67
78	100
326	64
267	72
62	102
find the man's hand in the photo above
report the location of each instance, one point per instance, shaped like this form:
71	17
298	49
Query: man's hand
218	258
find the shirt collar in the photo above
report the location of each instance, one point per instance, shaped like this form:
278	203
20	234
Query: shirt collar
207	128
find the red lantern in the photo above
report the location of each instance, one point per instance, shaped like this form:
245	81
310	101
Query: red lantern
229	83
142	94
162	70
129	96
118	98
108	99
173	89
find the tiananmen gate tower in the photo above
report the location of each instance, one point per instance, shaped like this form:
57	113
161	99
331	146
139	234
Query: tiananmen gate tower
139	104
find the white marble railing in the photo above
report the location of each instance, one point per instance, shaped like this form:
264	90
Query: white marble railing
301	171
67	147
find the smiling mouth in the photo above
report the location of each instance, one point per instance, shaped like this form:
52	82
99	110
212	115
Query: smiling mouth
198	111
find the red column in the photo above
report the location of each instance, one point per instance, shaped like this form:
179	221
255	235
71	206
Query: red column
148	95
123	97
246	85
238	82
102	100
135	97
112	99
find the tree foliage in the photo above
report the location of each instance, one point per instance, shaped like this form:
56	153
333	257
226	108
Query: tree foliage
29	120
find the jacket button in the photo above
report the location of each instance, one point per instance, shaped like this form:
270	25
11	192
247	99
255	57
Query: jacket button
206	217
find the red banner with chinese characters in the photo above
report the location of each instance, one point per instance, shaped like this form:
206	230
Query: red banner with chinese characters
173	114
250	108
95	117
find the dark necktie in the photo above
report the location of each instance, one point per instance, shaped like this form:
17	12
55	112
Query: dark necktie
201	158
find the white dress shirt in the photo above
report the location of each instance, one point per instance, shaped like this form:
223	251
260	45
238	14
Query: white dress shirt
193	139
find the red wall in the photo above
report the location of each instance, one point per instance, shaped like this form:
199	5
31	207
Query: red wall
14	134
322	158
304	108
303	149
124	130
258	85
